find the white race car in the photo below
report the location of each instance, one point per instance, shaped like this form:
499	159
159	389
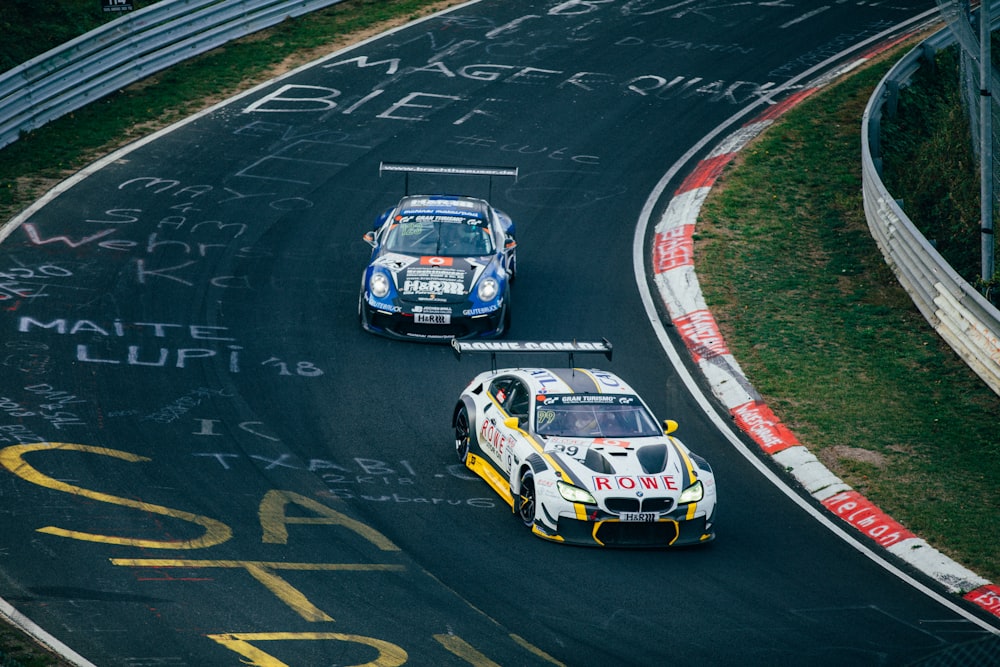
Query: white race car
578	455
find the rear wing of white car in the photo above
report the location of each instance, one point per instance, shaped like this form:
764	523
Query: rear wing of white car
495	347
408	168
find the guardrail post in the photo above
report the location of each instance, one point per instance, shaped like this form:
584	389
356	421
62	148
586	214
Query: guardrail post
891	104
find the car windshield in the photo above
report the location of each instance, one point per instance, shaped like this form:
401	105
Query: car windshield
593	416
438	234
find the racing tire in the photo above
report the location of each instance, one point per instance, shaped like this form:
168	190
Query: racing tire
506	315
526	499
463	434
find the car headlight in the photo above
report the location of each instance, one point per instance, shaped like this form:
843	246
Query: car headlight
575	494
692	494
379	285
488	289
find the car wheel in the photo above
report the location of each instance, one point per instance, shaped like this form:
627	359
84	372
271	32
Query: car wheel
463	437
526	498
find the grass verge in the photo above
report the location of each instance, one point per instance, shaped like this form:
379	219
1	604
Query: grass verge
822	328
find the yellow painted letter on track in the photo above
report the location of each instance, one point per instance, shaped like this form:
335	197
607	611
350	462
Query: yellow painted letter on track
274	521
11	458
464	650
389	655
266	573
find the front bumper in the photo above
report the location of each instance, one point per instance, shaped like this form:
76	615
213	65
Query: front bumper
625	534
404	326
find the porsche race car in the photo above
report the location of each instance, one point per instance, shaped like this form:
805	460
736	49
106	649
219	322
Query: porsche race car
441	265
578	455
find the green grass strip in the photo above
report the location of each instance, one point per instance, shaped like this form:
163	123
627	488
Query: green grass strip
822	328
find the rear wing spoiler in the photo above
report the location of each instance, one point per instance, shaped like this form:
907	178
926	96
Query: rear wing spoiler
495	347
408	168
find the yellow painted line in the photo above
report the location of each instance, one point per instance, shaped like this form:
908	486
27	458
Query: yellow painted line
274	521
264	572
464	650
11	458
536	651
274	565
389	654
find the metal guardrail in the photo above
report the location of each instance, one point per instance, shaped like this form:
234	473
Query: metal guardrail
962	316
126	50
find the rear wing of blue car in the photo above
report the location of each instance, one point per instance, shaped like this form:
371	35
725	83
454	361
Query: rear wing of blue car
495	347
408	168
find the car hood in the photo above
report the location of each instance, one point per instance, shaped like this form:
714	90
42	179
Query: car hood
650	466
433	278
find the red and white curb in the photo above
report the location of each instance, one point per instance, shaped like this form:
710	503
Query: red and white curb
675	279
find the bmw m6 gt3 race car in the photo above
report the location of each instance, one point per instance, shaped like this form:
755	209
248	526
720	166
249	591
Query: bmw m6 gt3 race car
578	455
441	265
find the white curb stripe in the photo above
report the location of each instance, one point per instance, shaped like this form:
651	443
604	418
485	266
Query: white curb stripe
680	292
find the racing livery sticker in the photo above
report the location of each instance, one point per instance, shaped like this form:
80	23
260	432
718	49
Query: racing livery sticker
635	483
394	262
432	279
493	439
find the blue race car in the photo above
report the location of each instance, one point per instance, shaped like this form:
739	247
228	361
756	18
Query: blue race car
441	265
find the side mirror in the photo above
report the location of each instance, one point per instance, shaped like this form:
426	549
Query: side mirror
509	243
669	426
369	238
380	220
511	422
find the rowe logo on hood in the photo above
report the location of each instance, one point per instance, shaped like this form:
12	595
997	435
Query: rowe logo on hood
635	483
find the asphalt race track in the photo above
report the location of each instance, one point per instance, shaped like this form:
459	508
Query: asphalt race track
205	461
